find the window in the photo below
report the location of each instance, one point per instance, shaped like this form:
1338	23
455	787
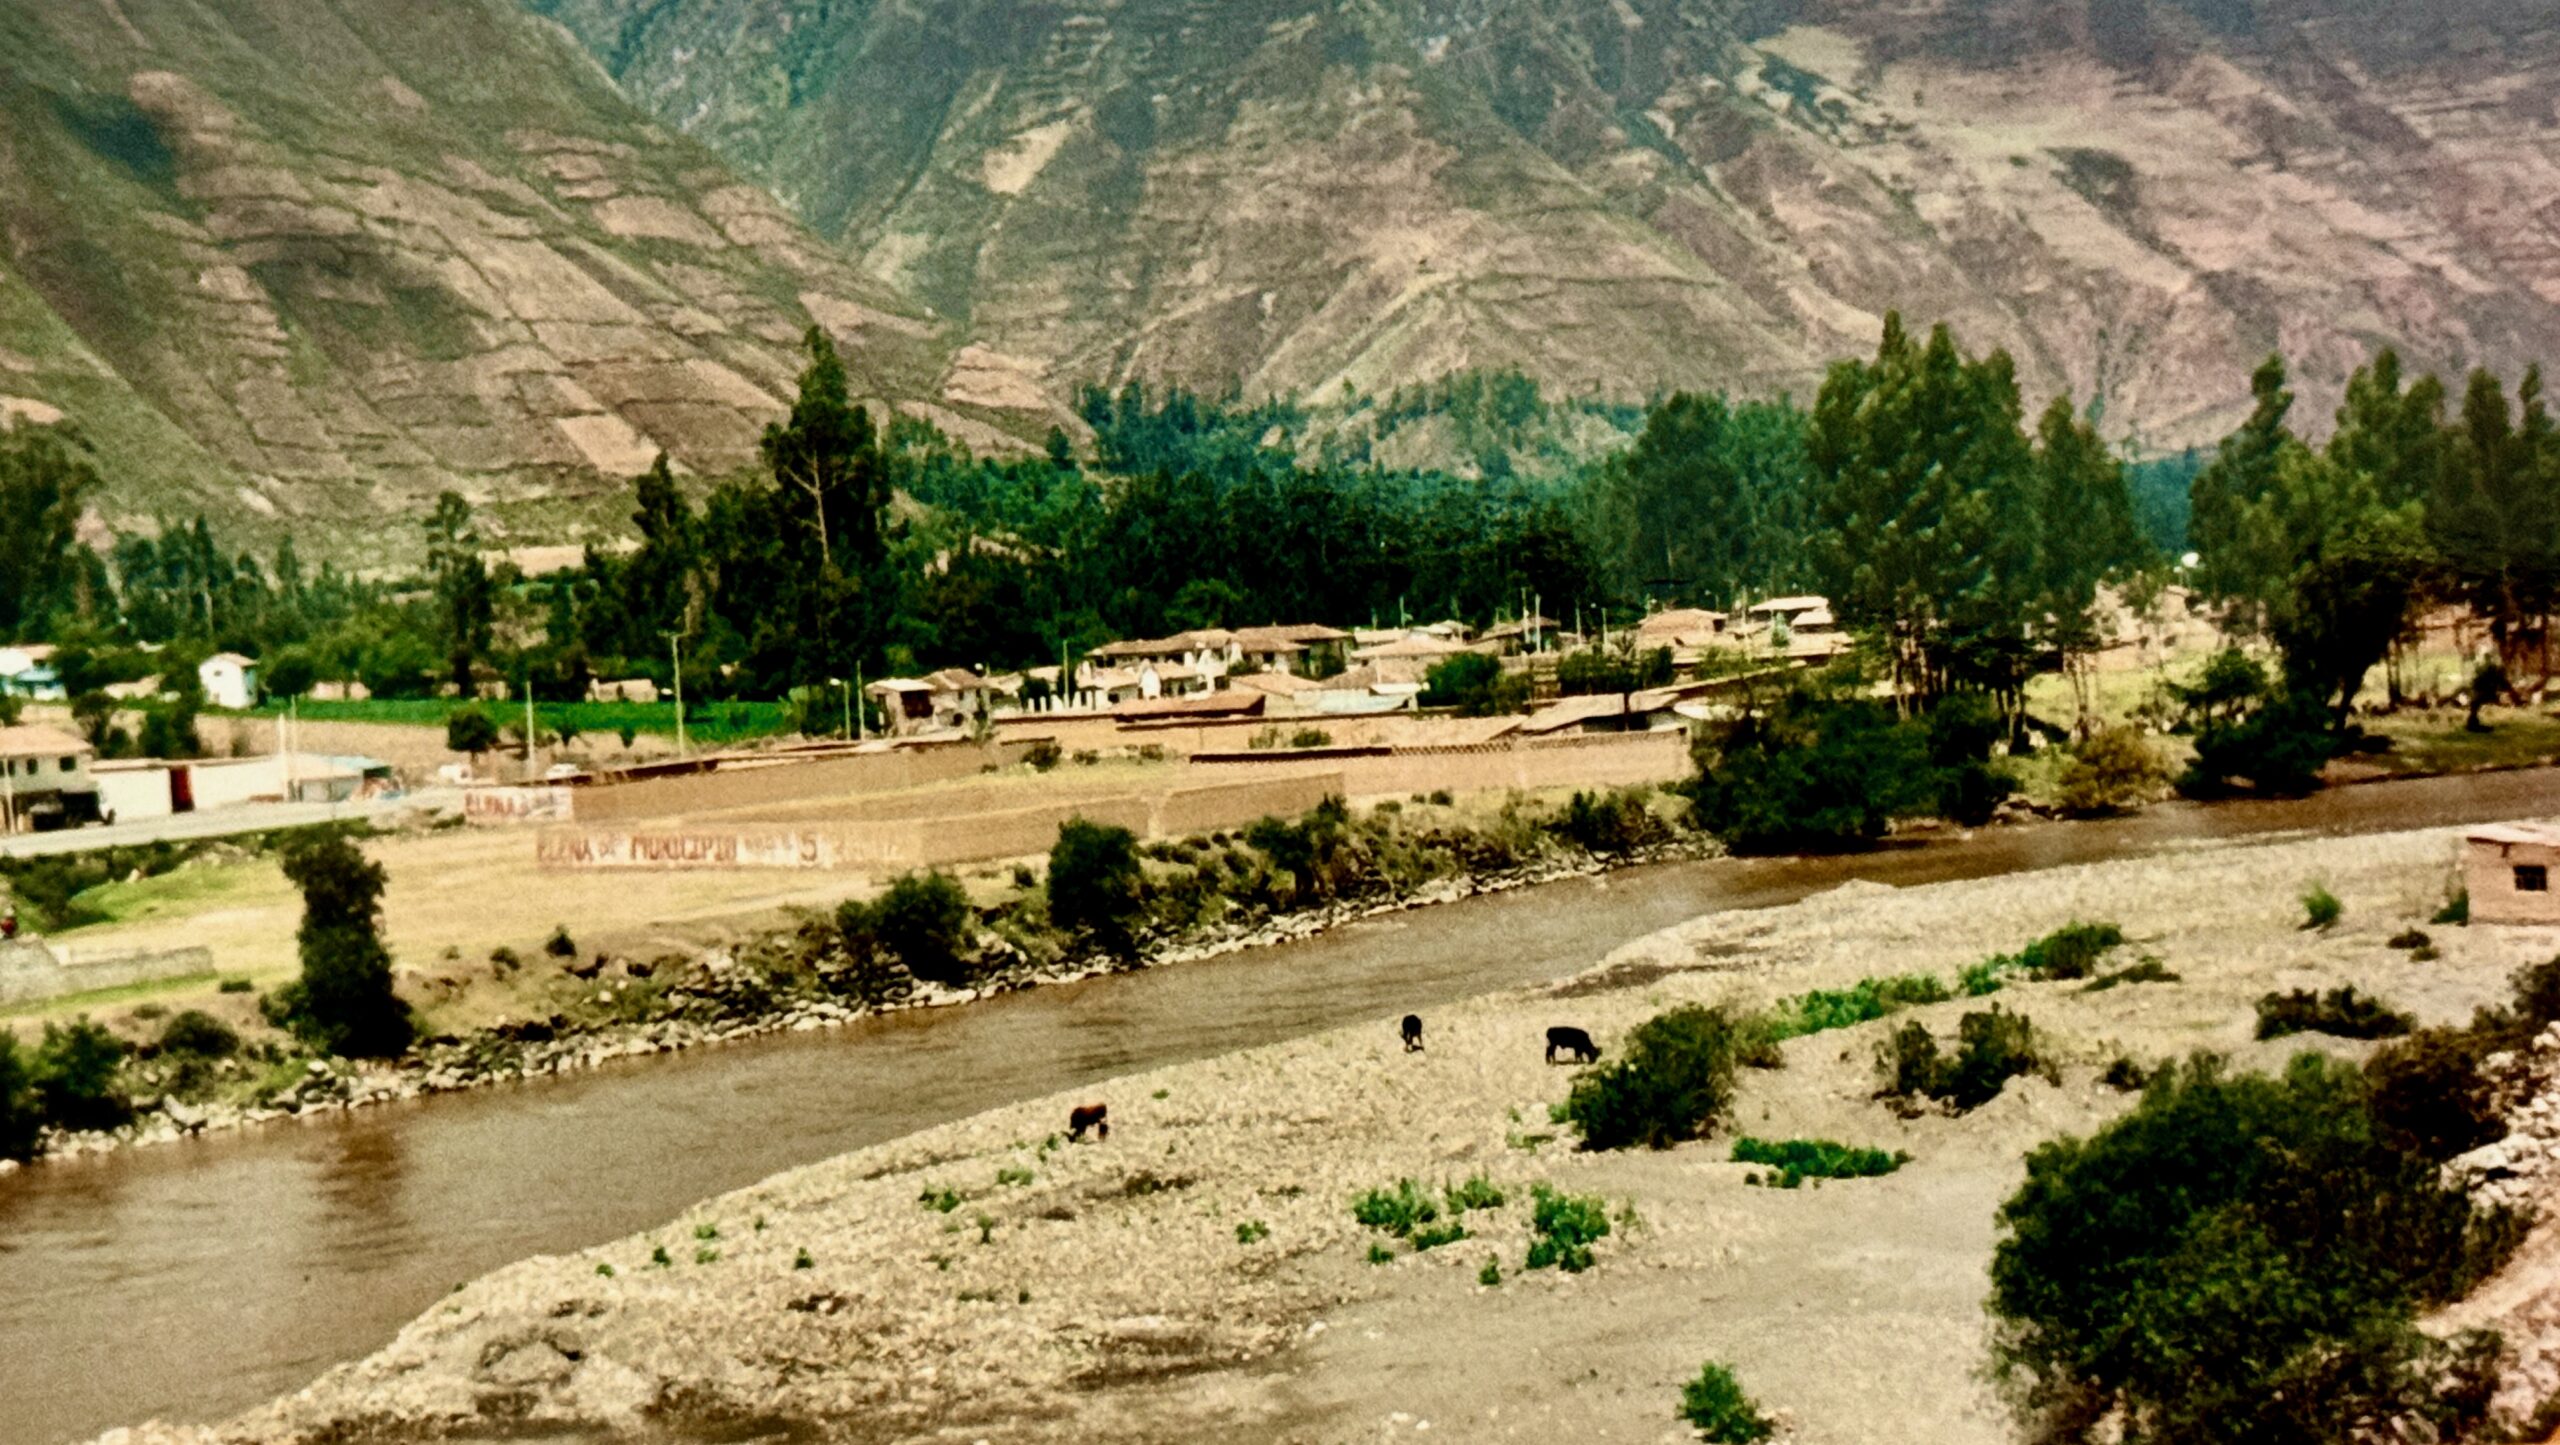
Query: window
70	764
2532	878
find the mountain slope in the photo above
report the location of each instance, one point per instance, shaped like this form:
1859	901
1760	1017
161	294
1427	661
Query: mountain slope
307	262
2138	197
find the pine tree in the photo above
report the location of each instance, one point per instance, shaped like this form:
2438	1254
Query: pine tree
2493	514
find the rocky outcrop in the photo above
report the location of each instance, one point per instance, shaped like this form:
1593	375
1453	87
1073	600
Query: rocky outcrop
317	261
2138	198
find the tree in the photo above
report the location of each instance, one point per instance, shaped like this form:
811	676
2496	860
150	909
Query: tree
290	673
44	485
466	602
826	458
2237	563
2493	512
469	730
1708	502
1810	773
343	1003
1096	887
924	922
2240	1259
1476	685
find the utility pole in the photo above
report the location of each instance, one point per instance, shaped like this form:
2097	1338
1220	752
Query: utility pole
675	651
857	687
528	725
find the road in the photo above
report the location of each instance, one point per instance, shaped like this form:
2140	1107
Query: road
217	823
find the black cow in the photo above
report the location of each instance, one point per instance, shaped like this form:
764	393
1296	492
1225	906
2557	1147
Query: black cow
1573	1041
1412	1032
1096	1117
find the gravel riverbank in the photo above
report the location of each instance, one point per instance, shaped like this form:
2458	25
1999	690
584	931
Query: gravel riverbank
1199	1273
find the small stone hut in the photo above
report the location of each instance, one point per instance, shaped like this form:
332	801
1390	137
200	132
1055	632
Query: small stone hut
2509	869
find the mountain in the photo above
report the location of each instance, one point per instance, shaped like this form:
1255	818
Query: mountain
2138	198
305	263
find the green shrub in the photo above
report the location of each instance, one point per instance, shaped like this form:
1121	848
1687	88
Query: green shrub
1817	1158
1838	1008
1491	1275
1609	823
2111	771
1959	734
1096	888
1398	1211
2320	908
1715	1405
75	1077
923	922
236	985
1563	1227
2429	1096
1673	1080
1043	754
1311	738
2341	1012
1013	1177
2240	1258
2125	1076
940	1201
1475	684
1992	1047
2069	952
560	944
1380	1254
199	1034
2456	910
21	1116
1252	1231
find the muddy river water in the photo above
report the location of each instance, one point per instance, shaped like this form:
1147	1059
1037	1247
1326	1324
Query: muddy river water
194	1280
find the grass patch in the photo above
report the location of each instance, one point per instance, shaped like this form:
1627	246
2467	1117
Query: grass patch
1869	998
2341	1012
705	723
940	1201
1800	1159
1252	1231
1396	1211
1432	1236
2069	952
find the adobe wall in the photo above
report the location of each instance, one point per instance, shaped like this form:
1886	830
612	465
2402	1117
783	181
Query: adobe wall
1599	760
757	783
2488	878
32	971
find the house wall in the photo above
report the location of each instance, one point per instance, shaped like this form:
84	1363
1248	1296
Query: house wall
134	793
229	783
2488	872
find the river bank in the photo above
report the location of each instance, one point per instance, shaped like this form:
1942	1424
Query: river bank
1200	1272
630	1009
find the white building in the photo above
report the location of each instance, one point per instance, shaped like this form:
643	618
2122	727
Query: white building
229	680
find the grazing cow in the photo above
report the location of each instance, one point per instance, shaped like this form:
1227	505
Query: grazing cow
1412	1032
1573	1041
1096	1117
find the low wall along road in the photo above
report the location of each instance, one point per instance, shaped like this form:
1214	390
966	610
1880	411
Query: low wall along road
32	970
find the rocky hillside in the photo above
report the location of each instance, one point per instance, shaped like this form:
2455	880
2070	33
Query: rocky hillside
2138	197
307	262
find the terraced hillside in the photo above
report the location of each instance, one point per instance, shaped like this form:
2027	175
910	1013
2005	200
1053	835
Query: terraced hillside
2138	197
307	262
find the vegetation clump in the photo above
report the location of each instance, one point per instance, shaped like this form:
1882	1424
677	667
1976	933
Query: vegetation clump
2242	1258
1563	1227
1992	1047
1716	1407
2320	908
1820	1010
2341	1012
1673	1080
1800	1159
2111	771
922	921
1097	889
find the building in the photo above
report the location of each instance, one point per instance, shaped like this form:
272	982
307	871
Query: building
621	689
1408	659
229	680
949	700
2508	868
26	670
45	782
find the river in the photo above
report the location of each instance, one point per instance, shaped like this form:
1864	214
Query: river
194	1280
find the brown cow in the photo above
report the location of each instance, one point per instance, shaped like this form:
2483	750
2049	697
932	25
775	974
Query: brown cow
1096	1117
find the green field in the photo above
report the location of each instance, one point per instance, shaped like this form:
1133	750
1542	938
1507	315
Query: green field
710	723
